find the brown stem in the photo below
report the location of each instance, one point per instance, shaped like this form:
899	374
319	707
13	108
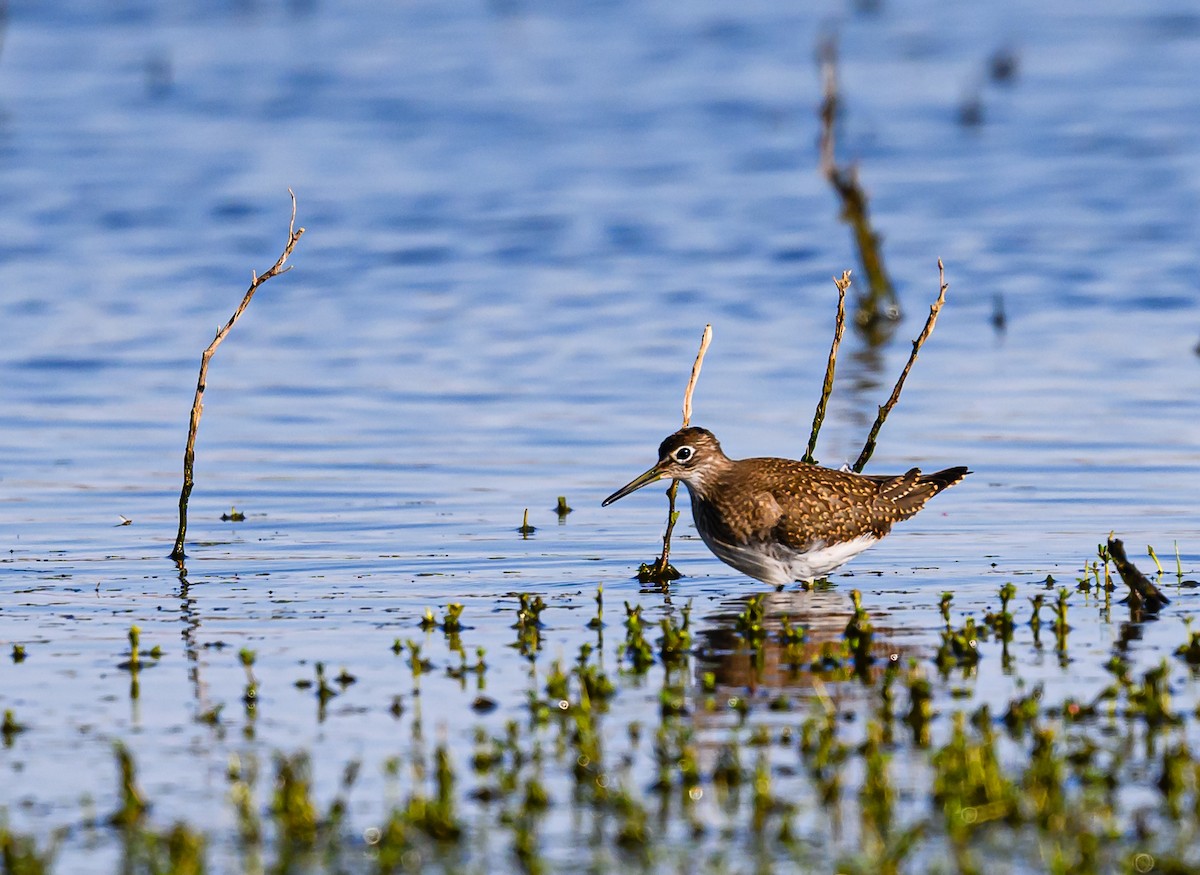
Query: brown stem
705	340
661	571
189	453
880	302
1144	596
839	328
869	447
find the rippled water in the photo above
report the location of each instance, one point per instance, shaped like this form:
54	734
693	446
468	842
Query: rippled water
519	218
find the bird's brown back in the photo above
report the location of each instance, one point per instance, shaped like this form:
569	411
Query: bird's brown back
799	504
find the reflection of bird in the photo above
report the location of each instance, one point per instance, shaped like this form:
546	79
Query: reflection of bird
778	520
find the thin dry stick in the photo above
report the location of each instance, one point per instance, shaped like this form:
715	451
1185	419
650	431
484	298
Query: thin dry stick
839	328
705	340
854	199
869	447
661	571
189	454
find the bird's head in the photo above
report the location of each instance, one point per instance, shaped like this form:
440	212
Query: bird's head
691	455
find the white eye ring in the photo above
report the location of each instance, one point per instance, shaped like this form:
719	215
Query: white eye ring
683	454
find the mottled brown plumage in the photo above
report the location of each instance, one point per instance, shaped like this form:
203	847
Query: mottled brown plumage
779	520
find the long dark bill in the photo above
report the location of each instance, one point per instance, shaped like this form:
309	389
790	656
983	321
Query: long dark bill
634	485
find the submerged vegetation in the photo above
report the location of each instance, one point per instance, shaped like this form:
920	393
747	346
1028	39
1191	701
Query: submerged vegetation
783	733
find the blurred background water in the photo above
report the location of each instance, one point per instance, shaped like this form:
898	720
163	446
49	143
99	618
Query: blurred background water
519	218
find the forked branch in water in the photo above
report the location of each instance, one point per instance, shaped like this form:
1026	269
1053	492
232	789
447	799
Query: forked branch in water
869	447
189	453
661	571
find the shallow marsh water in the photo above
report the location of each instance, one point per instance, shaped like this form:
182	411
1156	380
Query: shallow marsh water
520	217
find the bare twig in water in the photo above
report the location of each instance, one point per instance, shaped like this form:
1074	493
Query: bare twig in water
660	571
705	340
189	454
879	304
869	447
1144	596
839	328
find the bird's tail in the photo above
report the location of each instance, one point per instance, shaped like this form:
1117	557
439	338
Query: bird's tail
910	491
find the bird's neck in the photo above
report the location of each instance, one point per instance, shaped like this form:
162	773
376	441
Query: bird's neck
702	482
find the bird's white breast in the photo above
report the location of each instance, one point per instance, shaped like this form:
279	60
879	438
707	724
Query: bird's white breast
776	563
780	565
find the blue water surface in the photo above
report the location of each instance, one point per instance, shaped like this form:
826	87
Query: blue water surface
519	217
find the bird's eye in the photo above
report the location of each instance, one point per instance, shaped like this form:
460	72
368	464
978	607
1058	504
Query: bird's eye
683	454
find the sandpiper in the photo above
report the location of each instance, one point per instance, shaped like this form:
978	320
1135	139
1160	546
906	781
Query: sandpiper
780	520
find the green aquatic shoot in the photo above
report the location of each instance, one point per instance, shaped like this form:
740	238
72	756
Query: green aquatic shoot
20	854
751	622
452	622
944	606
1037	602
1105	559
133	804
10	728
789	635
859	634
293	809
246	657
1189	651
1154	558
1060	611
675	644
920	706
959	647
529	625
134	637
636	649
597	622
